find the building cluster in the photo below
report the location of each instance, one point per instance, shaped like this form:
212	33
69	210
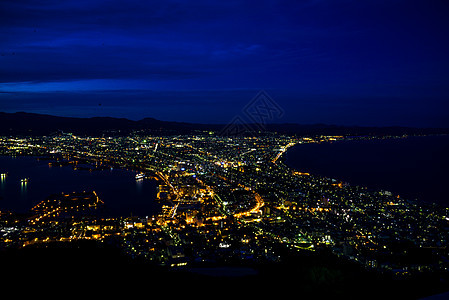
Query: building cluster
229	199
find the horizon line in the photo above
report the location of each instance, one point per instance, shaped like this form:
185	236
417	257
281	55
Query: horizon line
222	124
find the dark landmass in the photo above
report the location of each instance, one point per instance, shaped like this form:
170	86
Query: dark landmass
90	265
21	123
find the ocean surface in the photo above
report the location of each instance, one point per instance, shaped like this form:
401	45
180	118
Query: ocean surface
413	167
118	189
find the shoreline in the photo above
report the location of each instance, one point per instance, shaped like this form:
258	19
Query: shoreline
366	170
39	193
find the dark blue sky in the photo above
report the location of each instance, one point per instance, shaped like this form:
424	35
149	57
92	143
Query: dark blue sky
337	62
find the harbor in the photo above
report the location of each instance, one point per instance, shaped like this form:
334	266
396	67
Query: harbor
26	181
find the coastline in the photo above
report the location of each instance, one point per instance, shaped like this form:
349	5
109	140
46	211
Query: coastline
417	172
20	199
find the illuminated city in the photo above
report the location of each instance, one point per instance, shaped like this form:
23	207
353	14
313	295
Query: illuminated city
228	199
235	149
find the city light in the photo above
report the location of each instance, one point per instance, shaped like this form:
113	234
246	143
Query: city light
222	198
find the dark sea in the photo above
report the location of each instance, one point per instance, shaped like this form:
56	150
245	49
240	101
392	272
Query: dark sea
118	189
413	167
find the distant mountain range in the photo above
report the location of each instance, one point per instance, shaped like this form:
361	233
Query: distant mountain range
22	123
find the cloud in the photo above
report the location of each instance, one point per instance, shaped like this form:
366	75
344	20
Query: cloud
107	49
156	40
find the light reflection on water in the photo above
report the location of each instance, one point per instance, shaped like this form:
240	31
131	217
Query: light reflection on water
122	194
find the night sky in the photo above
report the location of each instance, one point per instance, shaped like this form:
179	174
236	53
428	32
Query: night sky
337	62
